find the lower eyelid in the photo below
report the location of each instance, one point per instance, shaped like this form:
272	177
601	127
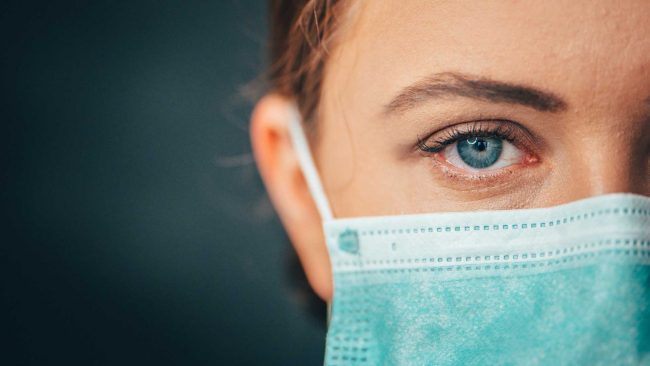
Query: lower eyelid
490	176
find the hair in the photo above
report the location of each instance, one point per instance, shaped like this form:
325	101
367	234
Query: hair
301	33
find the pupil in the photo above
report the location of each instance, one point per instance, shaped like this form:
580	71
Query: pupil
481	145
480	152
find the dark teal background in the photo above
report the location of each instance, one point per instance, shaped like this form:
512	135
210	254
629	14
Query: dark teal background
135	229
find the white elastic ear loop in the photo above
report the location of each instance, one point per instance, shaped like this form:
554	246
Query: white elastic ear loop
329	313
299	140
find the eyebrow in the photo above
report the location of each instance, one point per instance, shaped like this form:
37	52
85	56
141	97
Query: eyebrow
450	84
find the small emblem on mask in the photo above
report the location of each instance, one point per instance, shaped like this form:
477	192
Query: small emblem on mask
349	241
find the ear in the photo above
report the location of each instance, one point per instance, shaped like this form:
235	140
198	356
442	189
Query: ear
278	165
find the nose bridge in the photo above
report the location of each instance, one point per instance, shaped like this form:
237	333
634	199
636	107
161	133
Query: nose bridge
610	171
607	162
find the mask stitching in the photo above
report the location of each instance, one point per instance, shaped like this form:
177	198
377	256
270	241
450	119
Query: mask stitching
521	226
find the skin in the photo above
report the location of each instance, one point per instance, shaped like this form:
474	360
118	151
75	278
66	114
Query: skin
593	55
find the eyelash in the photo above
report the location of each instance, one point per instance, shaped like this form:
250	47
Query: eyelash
455	134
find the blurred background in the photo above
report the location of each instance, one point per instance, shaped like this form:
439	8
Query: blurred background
135	229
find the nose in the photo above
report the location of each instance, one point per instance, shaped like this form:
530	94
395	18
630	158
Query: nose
609	164
614	174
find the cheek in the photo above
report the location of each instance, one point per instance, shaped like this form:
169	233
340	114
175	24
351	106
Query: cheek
411	186
334	157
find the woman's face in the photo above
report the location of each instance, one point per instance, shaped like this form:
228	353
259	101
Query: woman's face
432	106
449	106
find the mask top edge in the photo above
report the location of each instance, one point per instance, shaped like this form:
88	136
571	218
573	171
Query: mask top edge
628	199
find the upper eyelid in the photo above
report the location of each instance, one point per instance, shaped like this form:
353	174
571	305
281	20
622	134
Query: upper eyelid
457	133
521	136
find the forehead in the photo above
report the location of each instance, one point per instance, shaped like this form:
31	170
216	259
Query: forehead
575	47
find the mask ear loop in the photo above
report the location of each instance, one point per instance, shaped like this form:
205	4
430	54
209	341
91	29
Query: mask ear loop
307	165
329	313
299	140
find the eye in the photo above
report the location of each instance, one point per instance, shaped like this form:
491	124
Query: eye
482	153
480	146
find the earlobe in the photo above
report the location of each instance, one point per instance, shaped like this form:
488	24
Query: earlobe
280	170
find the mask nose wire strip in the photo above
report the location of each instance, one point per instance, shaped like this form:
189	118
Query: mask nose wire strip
307	165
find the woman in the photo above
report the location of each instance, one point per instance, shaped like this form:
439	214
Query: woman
414	109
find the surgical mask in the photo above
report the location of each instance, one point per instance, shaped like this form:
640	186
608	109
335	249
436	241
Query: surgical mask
564	285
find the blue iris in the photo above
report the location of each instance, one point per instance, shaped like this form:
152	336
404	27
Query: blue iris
480	152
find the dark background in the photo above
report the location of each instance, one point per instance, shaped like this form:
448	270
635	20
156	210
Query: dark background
135	229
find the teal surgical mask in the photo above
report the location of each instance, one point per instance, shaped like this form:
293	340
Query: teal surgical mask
565	285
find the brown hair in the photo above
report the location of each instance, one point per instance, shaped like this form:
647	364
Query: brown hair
301	33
